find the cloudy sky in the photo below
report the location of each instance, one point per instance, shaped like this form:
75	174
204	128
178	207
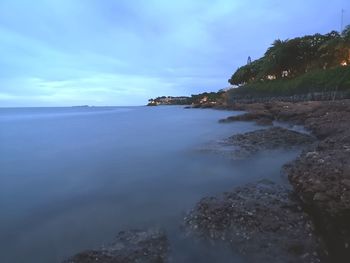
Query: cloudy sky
122	52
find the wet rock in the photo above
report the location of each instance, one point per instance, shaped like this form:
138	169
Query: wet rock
323	118
149	246
320	197
261	117
321	180
264	121
320	176
267	139
262	221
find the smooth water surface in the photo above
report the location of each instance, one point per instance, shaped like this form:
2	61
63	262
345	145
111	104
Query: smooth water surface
71	178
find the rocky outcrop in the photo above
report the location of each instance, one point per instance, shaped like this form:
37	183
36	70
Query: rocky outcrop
321	178
128	247
262	221
322	118
321	175
267	139
263	118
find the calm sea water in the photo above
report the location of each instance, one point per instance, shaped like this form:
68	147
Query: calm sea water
71	178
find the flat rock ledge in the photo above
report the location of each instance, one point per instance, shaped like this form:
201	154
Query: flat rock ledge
267	139
261	221
150	246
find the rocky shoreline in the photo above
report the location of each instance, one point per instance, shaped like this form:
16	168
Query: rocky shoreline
320	176
306	221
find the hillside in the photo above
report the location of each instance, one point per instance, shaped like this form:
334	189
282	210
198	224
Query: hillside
303	65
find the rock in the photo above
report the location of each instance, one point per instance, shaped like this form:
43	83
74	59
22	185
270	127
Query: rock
320	176
149	246
324	187
262	221
264	122
346	182
261	117
320	197
267	139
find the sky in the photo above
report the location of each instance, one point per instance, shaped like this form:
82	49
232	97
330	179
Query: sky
123	52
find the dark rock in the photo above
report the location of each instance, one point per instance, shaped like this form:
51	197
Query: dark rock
261	221
196	106
264	122
267	139
149	246
261	116
321	177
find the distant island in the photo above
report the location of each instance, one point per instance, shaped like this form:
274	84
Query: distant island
81	106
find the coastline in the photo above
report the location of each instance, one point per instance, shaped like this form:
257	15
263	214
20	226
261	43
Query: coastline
311	217
320	176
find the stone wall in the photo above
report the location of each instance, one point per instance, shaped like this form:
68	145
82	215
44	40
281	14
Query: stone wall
314	96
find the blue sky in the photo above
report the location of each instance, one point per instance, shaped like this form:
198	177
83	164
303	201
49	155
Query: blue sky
116	52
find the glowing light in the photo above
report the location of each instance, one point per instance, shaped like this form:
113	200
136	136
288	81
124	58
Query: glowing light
344	63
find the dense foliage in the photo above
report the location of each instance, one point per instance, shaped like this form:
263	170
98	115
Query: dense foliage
333	79
207	96
292	58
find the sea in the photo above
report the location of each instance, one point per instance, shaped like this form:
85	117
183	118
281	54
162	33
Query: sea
71	178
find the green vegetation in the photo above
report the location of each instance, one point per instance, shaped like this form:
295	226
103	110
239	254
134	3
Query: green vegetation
314	65
203	98
168	100
206	97
334	79
299	65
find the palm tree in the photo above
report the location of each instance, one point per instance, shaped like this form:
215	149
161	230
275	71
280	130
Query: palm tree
272	63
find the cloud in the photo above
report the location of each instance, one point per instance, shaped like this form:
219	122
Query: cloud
108	52
98	89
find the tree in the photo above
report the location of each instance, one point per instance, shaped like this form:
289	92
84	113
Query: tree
246	73
291	58
346	33
336	50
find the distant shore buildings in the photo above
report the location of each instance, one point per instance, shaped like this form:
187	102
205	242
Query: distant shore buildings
206	98
168	100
